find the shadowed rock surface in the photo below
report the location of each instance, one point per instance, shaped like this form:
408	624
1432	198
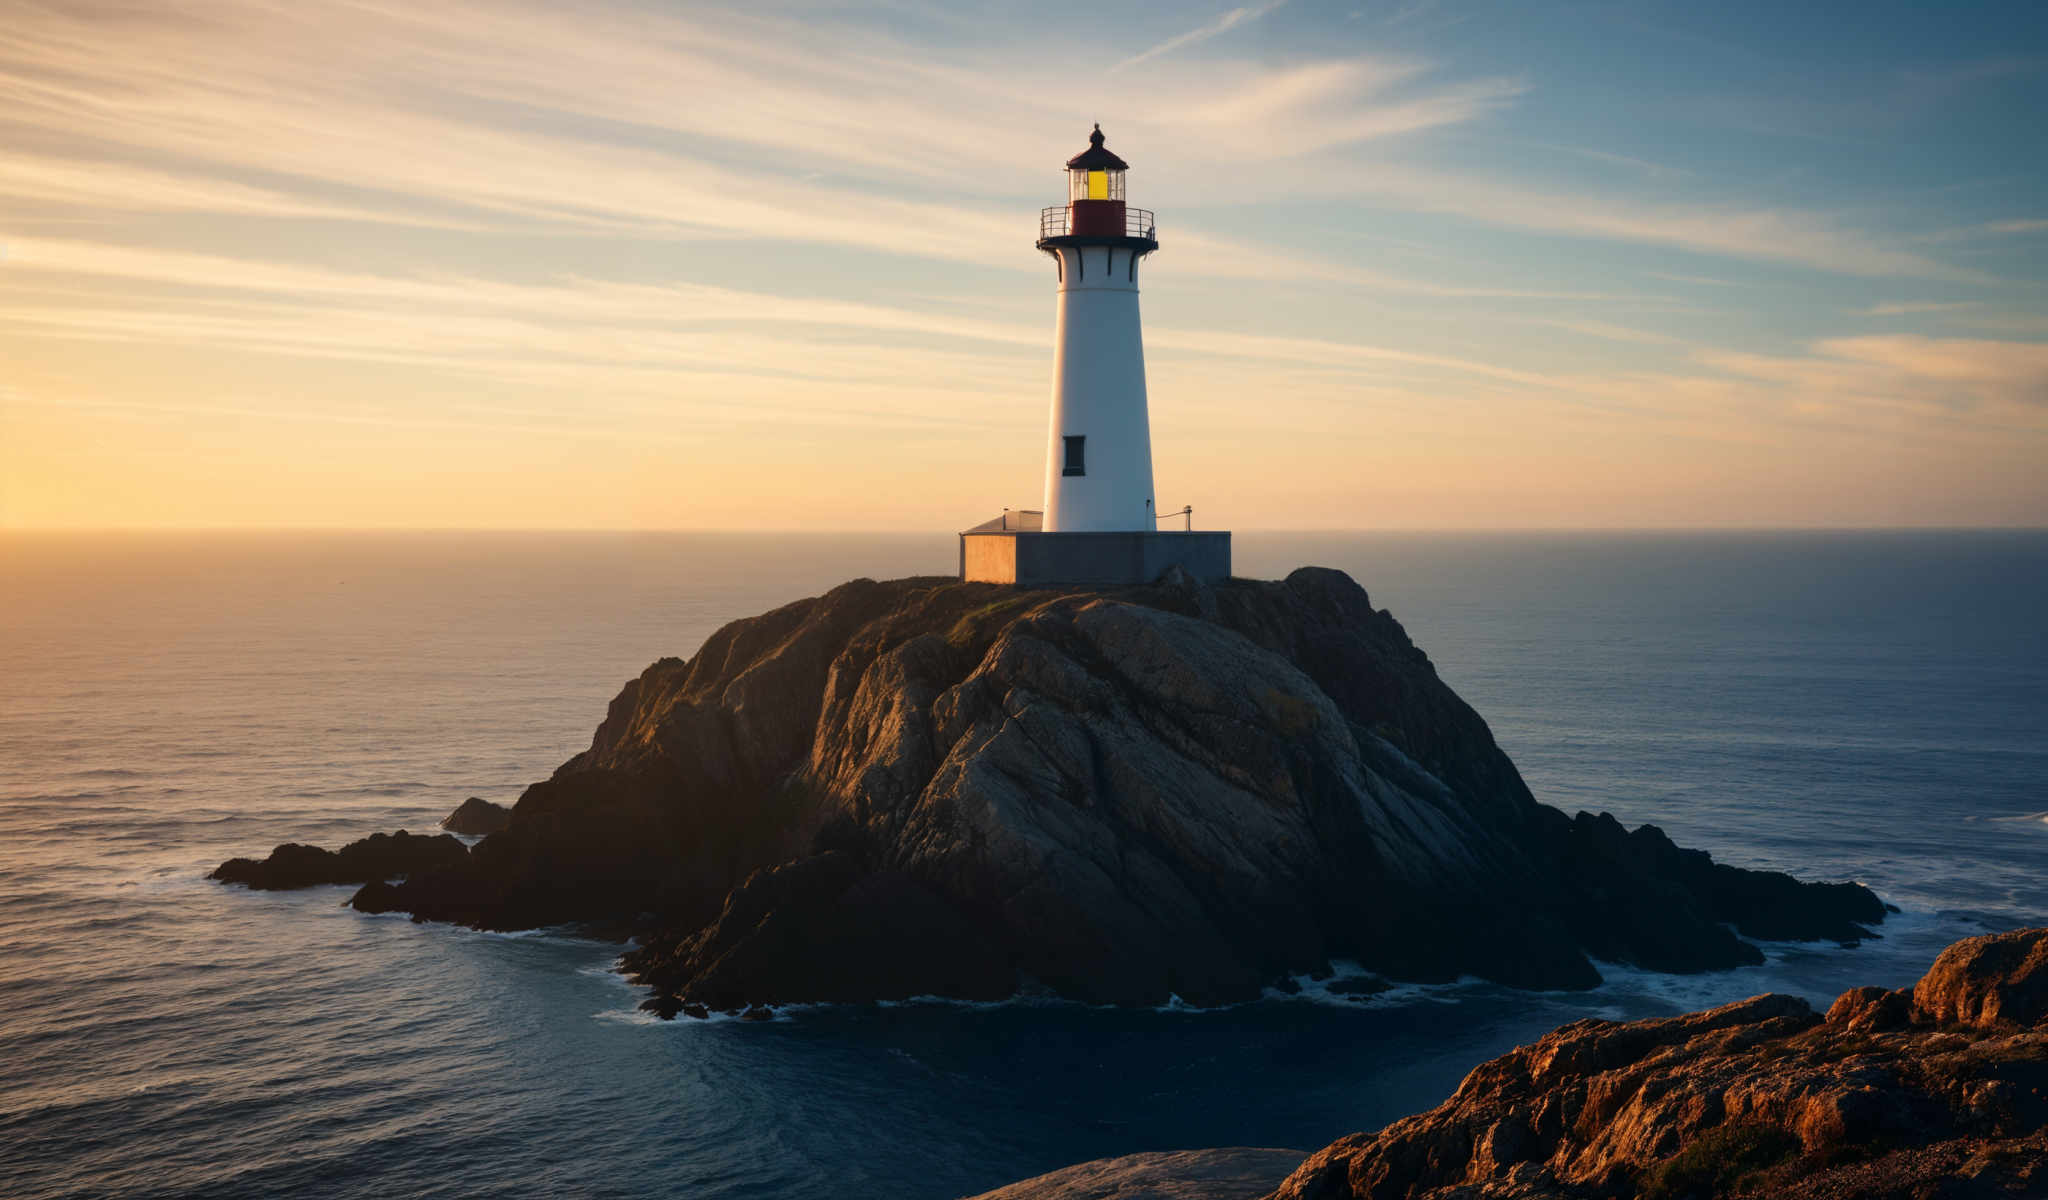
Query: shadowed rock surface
476	817
1939	1090
377	857
1230	1173
924	786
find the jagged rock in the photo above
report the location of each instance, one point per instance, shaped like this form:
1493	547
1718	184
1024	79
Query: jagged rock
377	857
1872	1008
1119	795
1886	1097
1994	982
476	817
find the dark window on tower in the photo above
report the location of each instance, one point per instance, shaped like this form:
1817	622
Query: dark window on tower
1077	455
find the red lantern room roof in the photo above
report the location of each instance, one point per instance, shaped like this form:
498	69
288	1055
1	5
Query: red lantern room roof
1095	157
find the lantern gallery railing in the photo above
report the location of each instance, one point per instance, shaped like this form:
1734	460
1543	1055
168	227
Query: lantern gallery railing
1058	221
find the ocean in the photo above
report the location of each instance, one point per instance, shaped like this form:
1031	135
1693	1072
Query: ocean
1868	706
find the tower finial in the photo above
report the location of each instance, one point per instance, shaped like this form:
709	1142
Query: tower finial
1095	139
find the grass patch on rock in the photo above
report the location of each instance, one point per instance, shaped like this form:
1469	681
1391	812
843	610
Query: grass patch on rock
1719	1161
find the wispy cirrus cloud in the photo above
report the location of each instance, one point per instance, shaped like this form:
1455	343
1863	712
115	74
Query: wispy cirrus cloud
414	121
1910	308
1201	33
484	324
1318	106
1776	235
693	342
450	128
1987	229
2016	370
111	185
1907	370
1606	329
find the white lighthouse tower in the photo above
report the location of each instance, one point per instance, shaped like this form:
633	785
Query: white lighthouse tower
1100	523
1098	460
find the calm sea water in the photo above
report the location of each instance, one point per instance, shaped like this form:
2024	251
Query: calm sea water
1856	706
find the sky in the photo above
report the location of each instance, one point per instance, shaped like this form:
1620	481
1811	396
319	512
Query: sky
1424	264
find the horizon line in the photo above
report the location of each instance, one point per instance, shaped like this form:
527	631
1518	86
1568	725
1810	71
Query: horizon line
936	531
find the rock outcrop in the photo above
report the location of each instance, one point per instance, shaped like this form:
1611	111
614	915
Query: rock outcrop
1998	982
926	786
1940	1090
377	857
476	817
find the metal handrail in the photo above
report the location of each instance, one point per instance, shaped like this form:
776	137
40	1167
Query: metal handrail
1058	221
1188	512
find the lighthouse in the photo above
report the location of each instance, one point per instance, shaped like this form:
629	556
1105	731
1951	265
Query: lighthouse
1099	523
1098	459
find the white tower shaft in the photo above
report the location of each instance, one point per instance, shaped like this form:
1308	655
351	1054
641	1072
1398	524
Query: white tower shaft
1098	462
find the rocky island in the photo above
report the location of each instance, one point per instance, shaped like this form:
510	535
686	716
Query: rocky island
928	787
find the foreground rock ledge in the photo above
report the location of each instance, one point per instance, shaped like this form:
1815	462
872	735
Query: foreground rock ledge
930	787
1231	1173
1938	1090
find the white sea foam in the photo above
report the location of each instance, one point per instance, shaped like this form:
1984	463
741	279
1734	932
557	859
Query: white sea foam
1384	993
632	1016
610	973
382	916
1817	972
2038	818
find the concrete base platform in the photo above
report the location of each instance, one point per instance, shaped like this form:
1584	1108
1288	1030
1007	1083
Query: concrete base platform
1030	558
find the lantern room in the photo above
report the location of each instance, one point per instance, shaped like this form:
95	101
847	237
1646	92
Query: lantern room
1095	190
1095	173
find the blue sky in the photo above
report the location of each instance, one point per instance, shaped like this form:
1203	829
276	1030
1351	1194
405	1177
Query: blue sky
1424	264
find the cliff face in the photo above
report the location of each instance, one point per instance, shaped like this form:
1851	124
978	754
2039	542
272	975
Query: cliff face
925	786
1936	1090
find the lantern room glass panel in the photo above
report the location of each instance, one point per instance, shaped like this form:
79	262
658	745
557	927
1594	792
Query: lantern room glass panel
1095	185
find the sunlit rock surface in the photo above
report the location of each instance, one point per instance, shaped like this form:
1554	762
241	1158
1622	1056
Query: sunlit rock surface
1940	1090
1231	1173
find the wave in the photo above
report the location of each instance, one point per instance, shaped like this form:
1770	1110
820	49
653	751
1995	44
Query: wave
381	791
545	933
